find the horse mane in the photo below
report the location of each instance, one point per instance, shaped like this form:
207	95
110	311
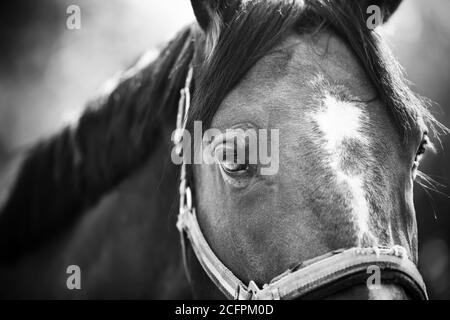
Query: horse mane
68	173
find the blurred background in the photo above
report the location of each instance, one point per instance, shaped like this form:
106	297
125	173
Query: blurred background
48	72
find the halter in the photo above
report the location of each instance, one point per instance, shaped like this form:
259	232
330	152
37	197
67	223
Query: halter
324	275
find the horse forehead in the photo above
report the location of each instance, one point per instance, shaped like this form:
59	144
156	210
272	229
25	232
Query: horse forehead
300	57
279	84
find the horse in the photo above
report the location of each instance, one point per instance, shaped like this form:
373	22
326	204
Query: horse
105	194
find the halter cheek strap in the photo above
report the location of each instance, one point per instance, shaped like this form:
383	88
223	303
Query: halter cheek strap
222	277
323	276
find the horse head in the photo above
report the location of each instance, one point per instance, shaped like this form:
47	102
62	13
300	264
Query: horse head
345	133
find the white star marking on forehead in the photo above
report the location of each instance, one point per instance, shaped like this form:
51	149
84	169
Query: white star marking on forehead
339	120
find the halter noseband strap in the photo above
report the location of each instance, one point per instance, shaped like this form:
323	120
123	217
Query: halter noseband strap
326	274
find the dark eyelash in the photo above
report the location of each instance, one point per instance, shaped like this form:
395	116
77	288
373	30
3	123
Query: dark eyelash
422	149
424	145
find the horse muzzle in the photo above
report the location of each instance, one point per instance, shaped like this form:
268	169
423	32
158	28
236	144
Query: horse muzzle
322	277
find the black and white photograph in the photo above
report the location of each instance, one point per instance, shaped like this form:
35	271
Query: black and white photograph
248	150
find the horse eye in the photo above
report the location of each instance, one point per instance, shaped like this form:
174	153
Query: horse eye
229	159
234	167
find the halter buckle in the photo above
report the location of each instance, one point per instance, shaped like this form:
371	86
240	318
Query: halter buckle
253	288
